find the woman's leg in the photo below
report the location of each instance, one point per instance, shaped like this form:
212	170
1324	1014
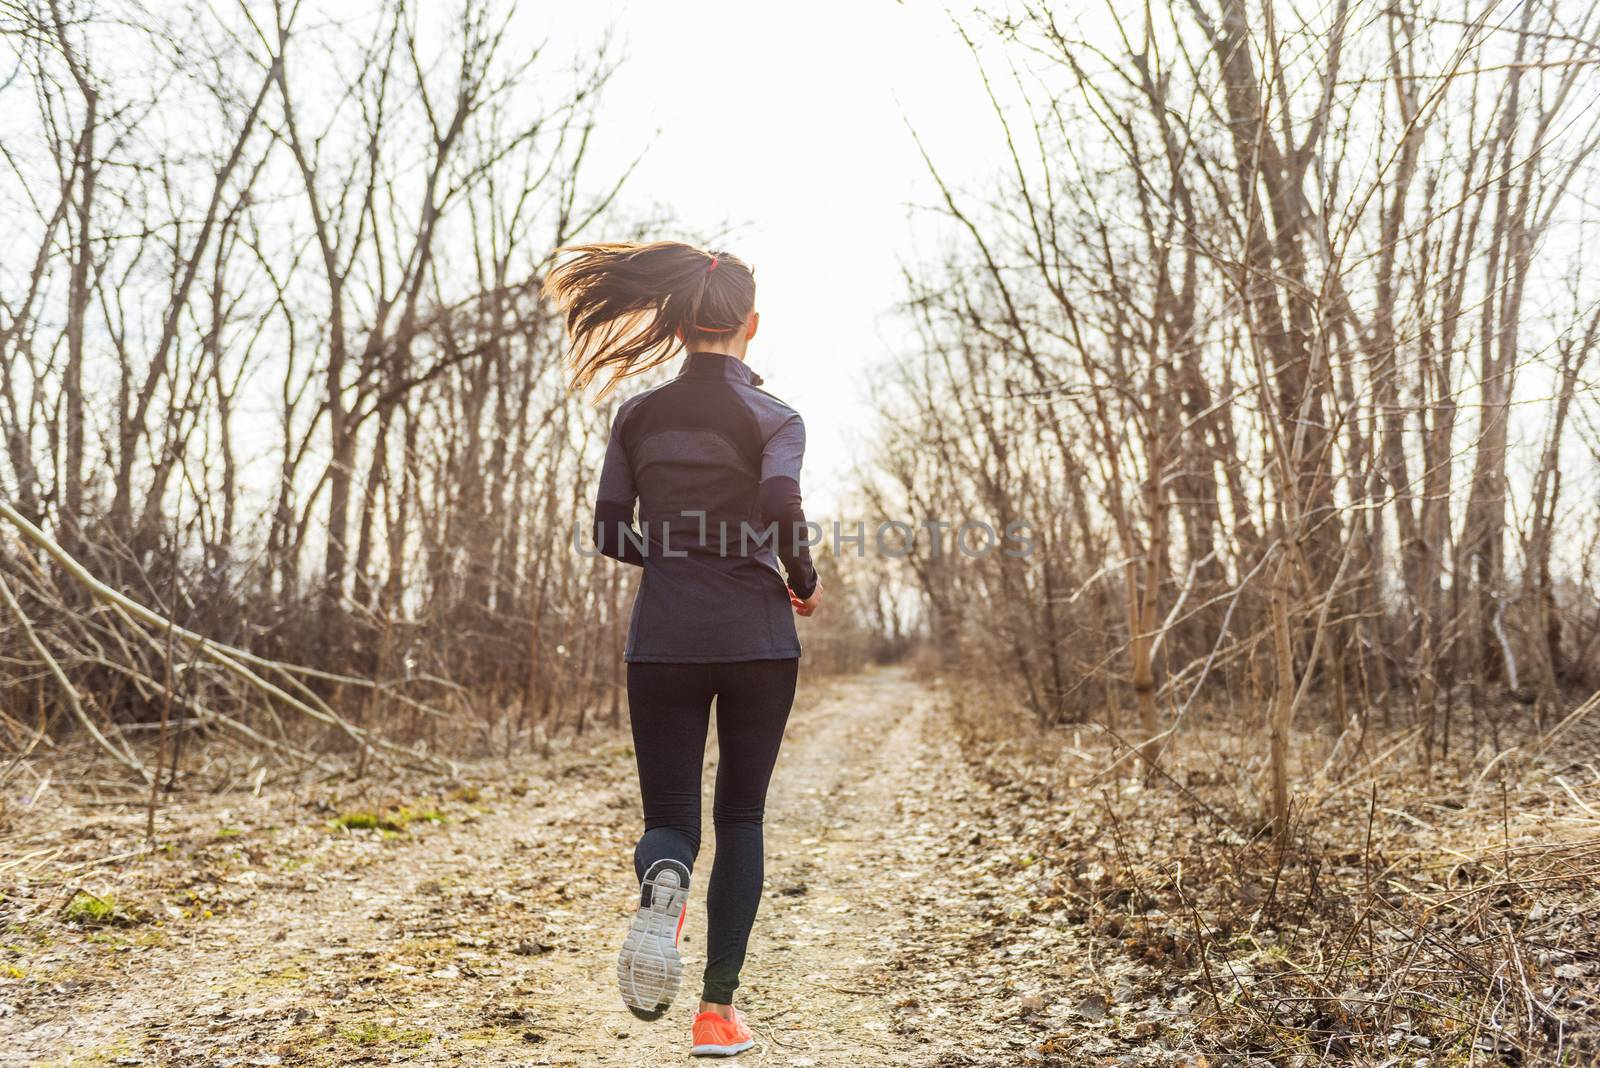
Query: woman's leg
669	706
753	700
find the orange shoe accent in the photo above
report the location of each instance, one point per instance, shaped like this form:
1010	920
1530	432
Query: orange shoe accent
715	1036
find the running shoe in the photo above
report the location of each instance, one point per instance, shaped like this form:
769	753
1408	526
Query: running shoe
716	1036
649	967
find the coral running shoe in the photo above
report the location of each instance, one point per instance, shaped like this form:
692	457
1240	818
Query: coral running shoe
716	1036
649	967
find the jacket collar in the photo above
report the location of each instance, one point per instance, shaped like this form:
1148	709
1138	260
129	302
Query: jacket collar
718	365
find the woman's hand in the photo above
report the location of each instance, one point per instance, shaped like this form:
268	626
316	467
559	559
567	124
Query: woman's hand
809	605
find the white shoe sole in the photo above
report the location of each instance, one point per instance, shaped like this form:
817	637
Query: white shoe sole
649	967
721	1051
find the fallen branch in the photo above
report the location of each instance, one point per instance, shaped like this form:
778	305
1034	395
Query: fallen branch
123	756
237	662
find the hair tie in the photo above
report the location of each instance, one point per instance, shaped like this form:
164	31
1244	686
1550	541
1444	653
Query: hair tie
713	265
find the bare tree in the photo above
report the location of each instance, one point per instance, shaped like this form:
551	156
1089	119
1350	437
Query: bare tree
286	285
1224	305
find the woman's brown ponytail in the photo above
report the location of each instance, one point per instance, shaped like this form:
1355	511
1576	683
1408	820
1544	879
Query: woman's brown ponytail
628	306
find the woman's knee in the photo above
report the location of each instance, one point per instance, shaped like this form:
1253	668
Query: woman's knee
737	815
686	834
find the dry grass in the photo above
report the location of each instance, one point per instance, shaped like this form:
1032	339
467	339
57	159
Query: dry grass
1442	916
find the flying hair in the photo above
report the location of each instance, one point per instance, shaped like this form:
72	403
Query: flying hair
629	306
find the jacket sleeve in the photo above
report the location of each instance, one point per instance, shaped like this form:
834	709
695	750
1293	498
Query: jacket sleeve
779	502
614	532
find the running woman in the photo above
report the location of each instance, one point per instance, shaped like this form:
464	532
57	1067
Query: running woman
713	463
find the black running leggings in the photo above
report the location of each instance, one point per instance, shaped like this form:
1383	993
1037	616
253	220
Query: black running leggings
670	706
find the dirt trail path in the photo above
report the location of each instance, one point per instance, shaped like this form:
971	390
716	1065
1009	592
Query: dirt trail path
489	938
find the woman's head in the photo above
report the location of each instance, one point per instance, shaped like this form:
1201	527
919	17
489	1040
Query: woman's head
628	305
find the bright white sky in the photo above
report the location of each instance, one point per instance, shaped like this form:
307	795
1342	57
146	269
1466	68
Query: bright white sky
779	131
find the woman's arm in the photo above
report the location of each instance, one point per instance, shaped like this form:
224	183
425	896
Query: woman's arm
779	502
614	533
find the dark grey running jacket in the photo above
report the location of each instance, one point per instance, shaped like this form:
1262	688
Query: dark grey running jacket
714	464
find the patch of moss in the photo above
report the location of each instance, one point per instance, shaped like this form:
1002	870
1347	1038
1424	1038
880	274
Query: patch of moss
91	910
119	1052
391	821
360	820
150	936
229	832
376	1034
421	815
